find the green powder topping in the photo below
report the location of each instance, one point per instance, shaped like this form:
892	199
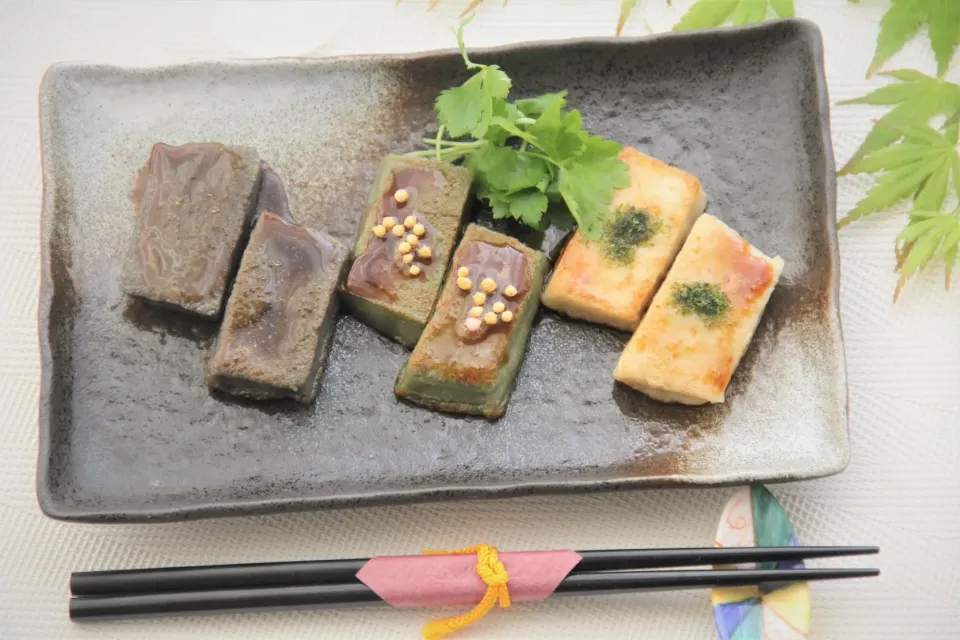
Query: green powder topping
703	299
630	228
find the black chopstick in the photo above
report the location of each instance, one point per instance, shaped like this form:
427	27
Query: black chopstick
357	594
318	572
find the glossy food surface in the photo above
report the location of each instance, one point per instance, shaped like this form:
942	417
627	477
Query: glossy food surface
381	289
279	320
466	360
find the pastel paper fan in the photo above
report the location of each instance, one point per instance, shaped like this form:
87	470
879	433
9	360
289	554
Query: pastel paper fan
775	611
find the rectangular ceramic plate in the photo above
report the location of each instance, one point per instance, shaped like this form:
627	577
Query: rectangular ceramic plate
128	431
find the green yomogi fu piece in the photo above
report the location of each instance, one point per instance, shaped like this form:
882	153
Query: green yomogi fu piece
279	320
408	231
469	353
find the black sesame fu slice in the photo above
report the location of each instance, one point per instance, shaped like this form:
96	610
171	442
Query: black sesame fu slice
469	353
279	319
194	204
702	319
409	229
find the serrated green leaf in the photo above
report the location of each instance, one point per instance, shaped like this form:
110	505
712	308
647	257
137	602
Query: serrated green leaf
559	134
917	97
921	253
929	235
528	206
904	19
907	75
557	162
920	227
948	249
952	132
461	108
898	25
783	8
598	149
888	94
496	82
890	158
626	6
499	203
934	190
956	174
917	215
469	107
507	170
534	107
921	133
503	111
749	12
892	187
944	19
587	187
512	129
705	14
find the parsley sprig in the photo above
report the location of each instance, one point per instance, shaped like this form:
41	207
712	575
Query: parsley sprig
531	158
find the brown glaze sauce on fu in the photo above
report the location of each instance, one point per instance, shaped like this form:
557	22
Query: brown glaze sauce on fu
272	196
192	179
379	271
290	260
467	355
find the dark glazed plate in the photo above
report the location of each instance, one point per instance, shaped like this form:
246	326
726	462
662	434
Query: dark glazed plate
128	431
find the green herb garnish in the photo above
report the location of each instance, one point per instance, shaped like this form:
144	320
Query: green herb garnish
712	13
526	154
629	229
703	299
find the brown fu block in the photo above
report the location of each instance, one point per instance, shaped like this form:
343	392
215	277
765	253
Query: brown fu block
280	317
194	204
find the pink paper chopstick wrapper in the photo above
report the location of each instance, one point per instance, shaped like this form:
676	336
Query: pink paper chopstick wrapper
449	580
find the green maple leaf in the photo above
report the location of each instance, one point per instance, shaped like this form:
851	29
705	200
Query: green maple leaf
712	13
929	235
626	6
921	165
904	19
918	98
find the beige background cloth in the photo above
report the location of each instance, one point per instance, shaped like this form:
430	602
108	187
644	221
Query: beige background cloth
902	490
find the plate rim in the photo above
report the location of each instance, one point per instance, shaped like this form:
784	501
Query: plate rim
56	508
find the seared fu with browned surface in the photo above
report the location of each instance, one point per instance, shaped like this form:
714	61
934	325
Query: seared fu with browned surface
409	229
279	320
702	319
469	353
193	204
611	280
